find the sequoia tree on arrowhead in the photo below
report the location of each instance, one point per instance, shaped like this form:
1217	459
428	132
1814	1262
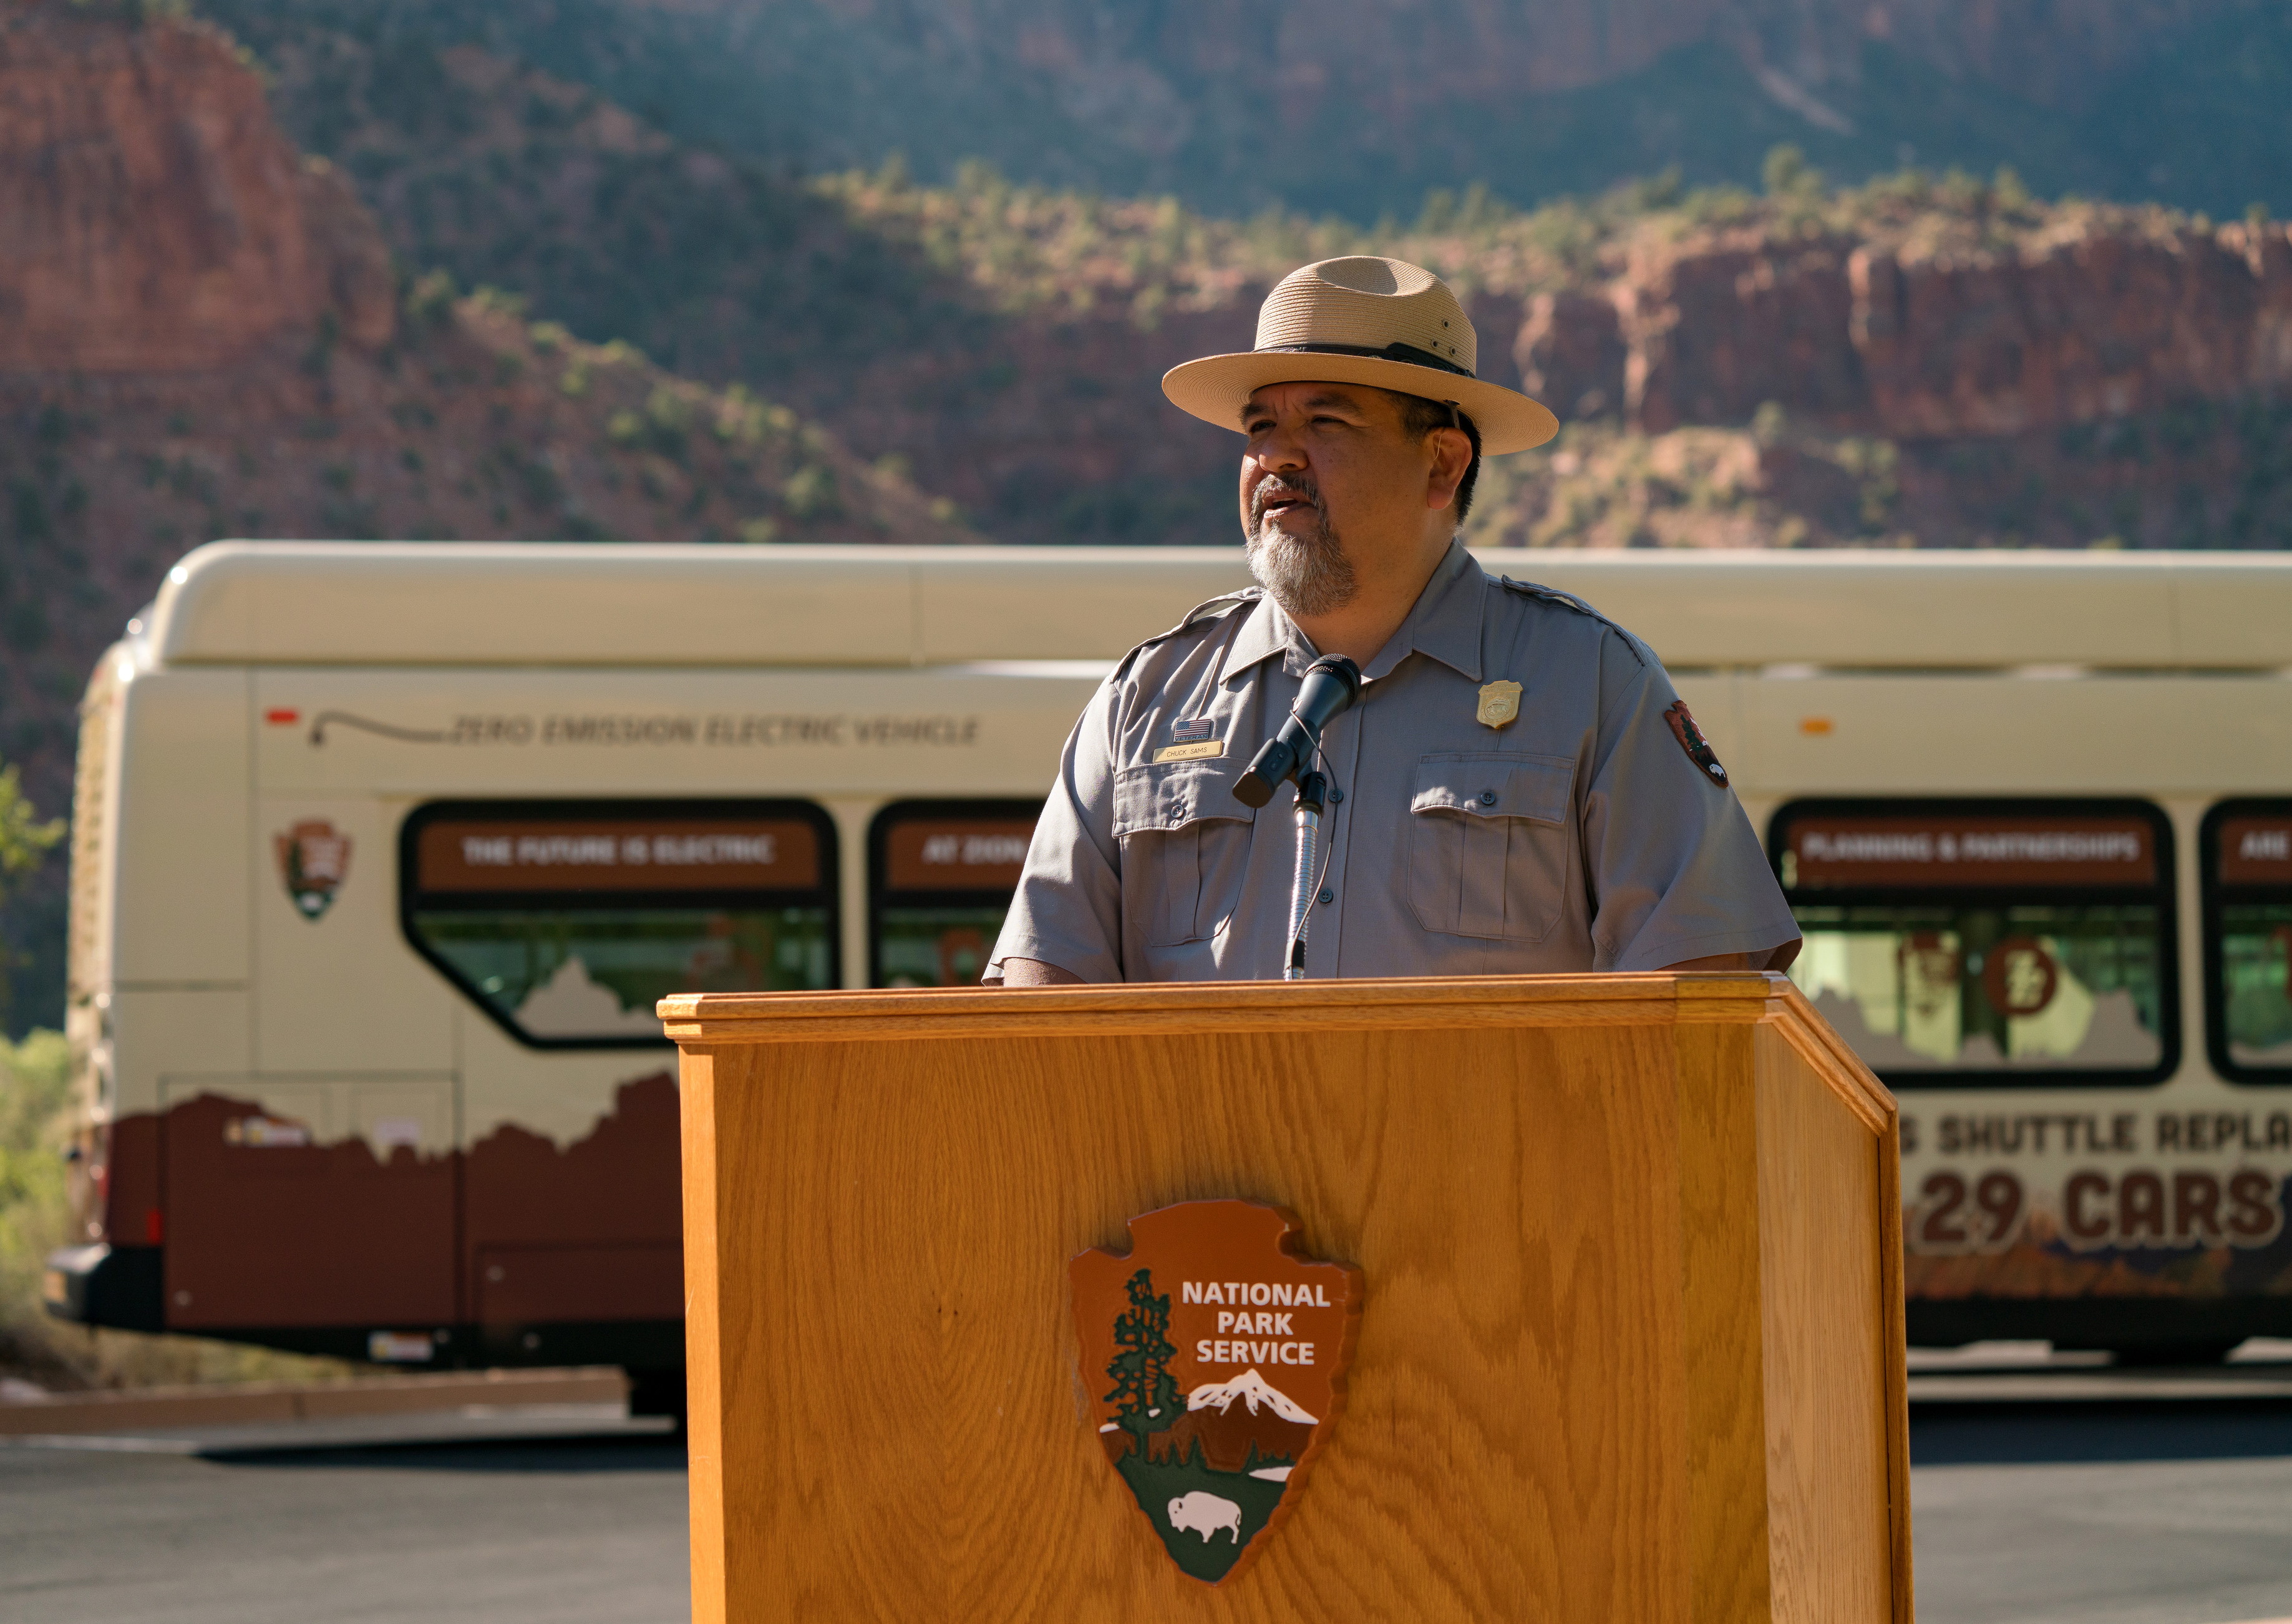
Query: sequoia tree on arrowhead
1143	1388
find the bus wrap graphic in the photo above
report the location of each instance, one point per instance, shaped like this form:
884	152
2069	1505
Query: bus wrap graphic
2186	1205
1973	943
567	921
941	875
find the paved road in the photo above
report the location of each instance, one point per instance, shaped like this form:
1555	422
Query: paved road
2127	1513
573	1532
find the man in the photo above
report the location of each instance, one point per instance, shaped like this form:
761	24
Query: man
1517	789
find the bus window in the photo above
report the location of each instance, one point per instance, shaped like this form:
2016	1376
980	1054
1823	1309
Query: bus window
940	874
2246	849
567	921
2002	942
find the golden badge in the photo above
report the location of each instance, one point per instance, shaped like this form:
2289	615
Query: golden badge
1499	703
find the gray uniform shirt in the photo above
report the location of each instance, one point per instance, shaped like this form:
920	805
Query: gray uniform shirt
1581	836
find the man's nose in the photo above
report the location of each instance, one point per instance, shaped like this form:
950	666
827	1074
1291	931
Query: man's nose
1279	448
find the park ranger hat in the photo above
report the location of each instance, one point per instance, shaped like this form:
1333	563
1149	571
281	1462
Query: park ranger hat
1362	319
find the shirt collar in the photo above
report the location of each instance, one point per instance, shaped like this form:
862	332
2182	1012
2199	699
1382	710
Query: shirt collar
1265	632
1444	623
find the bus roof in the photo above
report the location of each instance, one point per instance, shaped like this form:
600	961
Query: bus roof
548	603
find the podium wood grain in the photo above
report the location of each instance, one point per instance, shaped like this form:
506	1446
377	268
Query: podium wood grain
1629	1245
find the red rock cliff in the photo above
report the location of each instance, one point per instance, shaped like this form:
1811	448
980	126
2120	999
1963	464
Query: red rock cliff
1858	336
152	218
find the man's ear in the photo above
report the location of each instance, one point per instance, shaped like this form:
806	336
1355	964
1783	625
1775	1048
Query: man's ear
1452	454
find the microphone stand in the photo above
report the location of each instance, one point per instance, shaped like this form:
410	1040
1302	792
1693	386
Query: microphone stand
1331	685
1312	792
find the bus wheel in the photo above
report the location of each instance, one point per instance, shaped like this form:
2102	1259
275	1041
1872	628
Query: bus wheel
658	1392
2150	1355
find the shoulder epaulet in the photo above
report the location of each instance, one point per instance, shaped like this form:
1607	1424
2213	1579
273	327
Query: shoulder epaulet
1212	608
1569	600
1215	607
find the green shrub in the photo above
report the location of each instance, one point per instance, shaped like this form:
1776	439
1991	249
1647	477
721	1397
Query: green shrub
430	302
810	493
34	1083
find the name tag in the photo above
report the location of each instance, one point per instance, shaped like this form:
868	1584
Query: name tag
1190	752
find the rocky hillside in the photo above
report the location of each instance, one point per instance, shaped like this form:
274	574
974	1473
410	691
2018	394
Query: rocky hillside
155	221
1361	106
205	335
856	301
1922	360
1929	363
2002	370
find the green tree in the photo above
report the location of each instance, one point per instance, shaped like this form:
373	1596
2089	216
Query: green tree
24	843
1145	1391
1786	173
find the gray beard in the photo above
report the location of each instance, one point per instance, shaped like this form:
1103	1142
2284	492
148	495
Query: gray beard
1306	575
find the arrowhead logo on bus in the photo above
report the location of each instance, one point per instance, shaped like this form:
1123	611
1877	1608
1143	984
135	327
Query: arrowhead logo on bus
314	859
1215	1357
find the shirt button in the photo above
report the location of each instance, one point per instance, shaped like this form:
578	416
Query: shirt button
1336	795
1488	797
1327	895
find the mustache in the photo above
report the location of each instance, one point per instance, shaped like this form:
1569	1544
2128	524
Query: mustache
1275	487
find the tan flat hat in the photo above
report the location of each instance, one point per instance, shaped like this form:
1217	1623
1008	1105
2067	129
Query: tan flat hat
1363	320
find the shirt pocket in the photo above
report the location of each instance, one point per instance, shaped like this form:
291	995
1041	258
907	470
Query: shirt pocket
1185	847
1489	843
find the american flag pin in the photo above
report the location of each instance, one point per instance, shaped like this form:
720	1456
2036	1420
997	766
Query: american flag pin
1194	731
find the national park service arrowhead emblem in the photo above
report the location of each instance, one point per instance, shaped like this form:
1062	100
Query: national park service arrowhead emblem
1215	1359
1691	738
314	860
1499	704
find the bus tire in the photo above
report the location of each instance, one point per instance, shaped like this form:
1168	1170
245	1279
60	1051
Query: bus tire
658	1392
2153	1355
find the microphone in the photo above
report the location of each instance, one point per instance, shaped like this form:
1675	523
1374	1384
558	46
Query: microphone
1332	686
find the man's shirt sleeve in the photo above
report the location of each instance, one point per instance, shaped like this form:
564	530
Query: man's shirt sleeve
1675	869
1068	909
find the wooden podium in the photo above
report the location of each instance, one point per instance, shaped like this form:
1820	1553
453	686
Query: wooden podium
1630	1343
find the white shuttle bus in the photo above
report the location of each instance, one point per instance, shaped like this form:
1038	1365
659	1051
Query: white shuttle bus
383	853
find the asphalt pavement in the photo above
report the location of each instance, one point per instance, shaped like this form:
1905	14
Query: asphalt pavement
2149	1500
572	1530
2160	1512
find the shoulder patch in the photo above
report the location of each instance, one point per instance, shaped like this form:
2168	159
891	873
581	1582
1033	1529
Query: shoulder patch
1215	609
1681	722
1569	601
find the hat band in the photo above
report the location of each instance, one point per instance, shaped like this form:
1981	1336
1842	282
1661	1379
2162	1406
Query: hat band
1394	351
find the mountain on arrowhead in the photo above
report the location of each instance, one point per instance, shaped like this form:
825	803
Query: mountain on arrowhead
1239	1426
1253	1391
